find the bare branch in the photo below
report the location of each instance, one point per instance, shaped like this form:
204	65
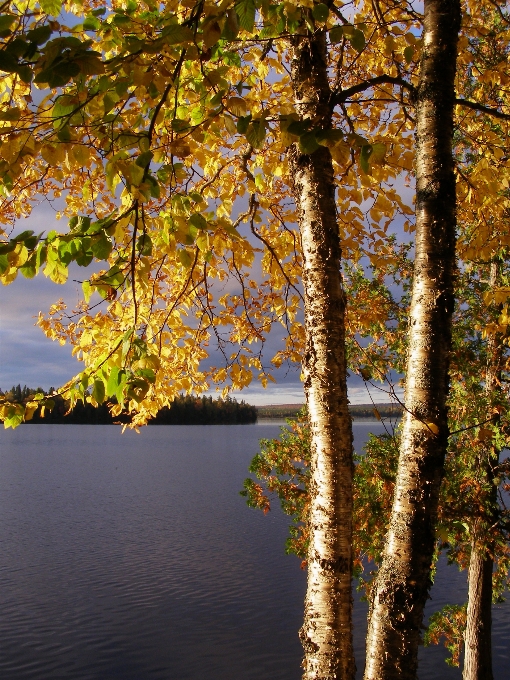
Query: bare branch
484	109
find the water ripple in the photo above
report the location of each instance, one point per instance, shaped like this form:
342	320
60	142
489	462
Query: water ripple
134	558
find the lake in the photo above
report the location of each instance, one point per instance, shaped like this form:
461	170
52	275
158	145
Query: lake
133	557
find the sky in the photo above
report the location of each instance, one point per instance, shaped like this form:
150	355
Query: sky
29	358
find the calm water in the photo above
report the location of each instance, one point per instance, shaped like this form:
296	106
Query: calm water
133	557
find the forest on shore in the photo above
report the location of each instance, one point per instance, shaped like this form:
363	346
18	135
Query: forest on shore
184	410
357	411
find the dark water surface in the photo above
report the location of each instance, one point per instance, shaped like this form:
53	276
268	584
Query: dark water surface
133	557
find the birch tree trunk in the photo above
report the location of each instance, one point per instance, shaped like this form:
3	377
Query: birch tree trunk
477	637
326	634
401	588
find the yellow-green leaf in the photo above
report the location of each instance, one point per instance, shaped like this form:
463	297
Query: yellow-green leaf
51	7
185	258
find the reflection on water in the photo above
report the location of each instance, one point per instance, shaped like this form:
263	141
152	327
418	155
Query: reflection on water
133	557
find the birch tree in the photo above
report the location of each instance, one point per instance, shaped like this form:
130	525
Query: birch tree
153	129
400	592
327	629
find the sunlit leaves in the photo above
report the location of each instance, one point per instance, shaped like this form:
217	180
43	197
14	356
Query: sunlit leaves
169	124
51	7
237	106
370	155
180	148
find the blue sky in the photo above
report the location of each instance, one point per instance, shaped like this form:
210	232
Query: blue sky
28	357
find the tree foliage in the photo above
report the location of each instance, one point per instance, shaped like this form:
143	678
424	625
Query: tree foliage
162	134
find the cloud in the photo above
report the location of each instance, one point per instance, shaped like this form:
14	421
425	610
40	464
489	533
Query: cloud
26	355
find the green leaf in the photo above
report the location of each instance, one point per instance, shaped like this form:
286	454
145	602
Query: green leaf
51	7
120	19
144	159
64	134
246	14
320	12
408	54
185	258
91	23
8	62
39	35
7	247
198	221
40	256
231	27
17	47
113	381
256	133
308	143
138	389
357	40
154	186
191	235
148	374
4	263
144	244
180	125
6	21
324	136
25	73
11	114
378	154
176	34
98	391
364	156
110	101
203	242
58	75
28	269
119	392
84	258
298	127
101	247
87	290
136	174
242	124
61	109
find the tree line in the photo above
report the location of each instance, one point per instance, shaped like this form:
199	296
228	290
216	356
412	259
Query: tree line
184	410
235	164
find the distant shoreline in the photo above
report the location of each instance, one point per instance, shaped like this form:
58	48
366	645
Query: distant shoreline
189	410
359	412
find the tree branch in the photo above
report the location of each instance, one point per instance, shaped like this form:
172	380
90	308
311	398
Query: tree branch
484	109
341	96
